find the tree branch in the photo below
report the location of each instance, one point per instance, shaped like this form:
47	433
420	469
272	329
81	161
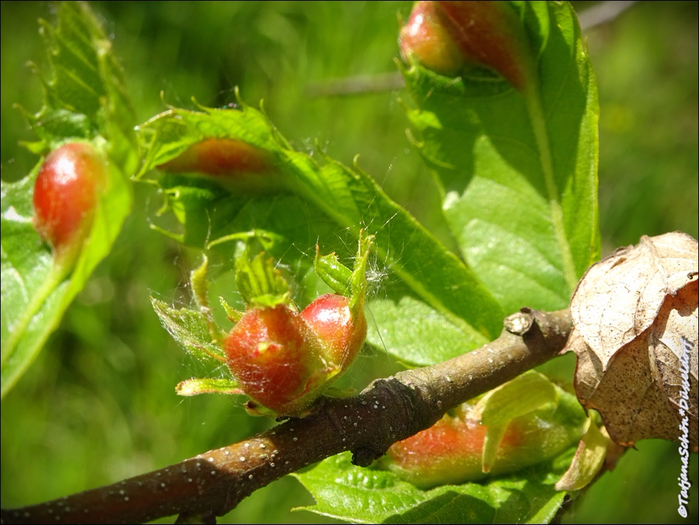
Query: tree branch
388	410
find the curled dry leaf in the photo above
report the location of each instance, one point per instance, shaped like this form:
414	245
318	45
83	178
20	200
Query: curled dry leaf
635	335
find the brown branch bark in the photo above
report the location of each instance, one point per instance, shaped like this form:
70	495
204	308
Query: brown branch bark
387	411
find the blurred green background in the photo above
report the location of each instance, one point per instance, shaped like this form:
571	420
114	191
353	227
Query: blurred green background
99	403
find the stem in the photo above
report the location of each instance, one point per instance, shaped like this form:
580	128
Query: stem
387	411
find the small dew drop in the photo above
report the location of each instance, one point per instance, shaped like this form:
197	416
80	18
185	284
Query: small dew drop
183	469
291	430
213	472
242	459
296	439
162	485
227	452
158	474
211	460
263	446
250	476
271	465
247	445
189	480
354	424
126	498
122	492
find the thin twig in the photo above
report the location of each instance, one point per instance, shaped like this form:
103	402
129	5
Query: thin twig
387	411
602	13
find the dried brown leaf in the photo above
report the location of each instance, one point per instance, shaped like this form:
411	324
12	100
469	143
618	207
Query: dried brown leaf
634	314
619	297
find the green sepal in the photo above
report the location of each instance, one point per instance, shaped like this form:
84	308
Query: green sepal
256	410
491	444
260	283
232	314
358	281
200	291
189	328
197	278
350	283
527	393
588	459
205	385
335	274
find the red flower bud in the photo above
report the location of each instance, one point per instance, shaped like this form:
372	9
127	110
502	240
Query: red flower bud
450	452
427	38
65	195
444	35
341	333
489	34
225	159
276	359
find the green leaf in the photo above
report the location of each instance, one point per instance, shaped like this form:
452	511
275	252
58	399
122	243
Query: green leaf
518	169
328	197
85	99
416	333
367	495
189	328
